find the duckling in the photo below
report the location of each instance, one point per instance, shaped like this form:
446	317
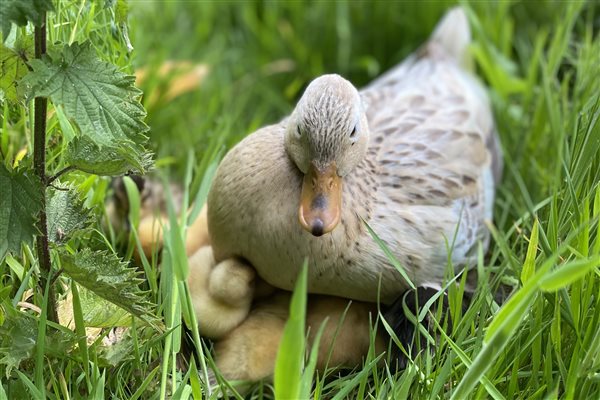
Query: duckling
221	293
150	233
153	215
415	155
247	329
248	352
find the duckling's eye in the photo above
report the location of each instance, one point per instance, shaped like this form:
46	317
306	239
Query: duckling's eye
353	133
298	131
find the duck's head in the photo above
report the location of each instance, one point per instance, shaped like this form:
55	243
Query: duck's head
326	137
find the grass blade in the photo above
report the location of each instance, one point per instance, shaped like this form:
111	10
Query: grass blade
81	334
568	273
529	264
352	383
290	356
390	256
309	371
35	392
144	385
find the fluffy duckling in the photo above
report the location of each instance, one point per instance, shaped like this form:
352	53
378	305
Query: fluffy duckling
221	293
248	352
153	216
247	334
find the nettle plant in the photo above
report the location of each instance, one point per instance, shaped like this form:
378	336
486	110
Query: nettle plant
86	120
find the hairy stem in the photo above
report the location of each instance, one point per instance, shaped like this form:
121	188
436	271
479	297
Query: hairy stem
39	161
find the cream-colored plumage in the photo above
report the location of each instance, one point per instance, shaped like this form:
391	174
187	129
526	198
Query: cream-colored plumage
221	293
419	159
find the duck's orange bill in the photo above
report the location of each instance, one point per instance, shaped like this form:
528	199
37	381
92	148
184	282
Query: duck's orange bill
321	199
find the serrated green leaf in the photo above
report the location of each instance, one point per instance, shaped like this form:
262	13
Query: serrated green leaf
22	11
18	335
123	158
107	276
66	215
12	66
100	313
20	204
102	100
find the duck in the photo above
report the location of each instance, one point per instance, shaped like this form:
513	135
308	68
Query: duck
414	156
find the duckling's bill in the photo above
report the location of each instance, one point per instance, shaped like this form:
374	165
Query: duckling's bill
321	199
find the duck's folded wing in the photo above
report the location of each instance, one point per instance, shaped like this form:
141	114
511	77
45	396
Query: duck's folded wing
434	141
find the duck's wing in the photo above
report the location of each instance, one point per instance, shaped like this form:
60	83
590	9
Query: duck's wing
433	134
434	146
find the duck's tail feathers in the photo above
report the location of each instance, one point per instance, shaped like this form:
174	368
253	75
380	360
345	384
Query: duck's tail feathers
452	35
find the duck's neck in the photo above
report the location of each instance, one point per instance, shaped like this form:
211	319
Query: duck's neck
359	189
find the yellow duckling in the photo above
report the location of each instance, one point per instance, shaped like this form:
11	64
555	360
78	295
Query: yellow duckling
248	324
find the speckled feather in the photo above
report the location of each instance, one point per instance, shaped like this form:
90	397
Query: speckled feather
428	179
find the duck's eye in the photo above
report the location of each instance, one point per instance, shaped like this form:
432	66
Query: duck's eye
353	133
298	131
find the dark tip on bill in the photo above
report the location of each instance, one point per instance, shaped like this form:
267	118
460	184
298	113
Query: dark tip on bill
317	228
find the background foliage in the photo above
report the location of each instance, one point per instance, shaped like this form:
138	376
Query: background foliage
212	72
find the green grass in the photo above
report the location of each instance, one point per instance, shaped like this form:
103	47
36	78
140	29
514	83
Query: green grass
541	62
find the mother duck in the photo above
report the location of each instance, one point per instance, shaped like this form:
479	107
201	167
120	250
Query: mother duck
414	155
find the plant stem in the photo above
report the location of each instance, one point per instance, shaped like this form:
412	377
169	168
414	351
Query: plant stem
59	173
39	161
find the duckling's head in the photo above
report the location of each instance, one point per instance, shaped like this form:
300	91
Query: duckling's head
326	137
